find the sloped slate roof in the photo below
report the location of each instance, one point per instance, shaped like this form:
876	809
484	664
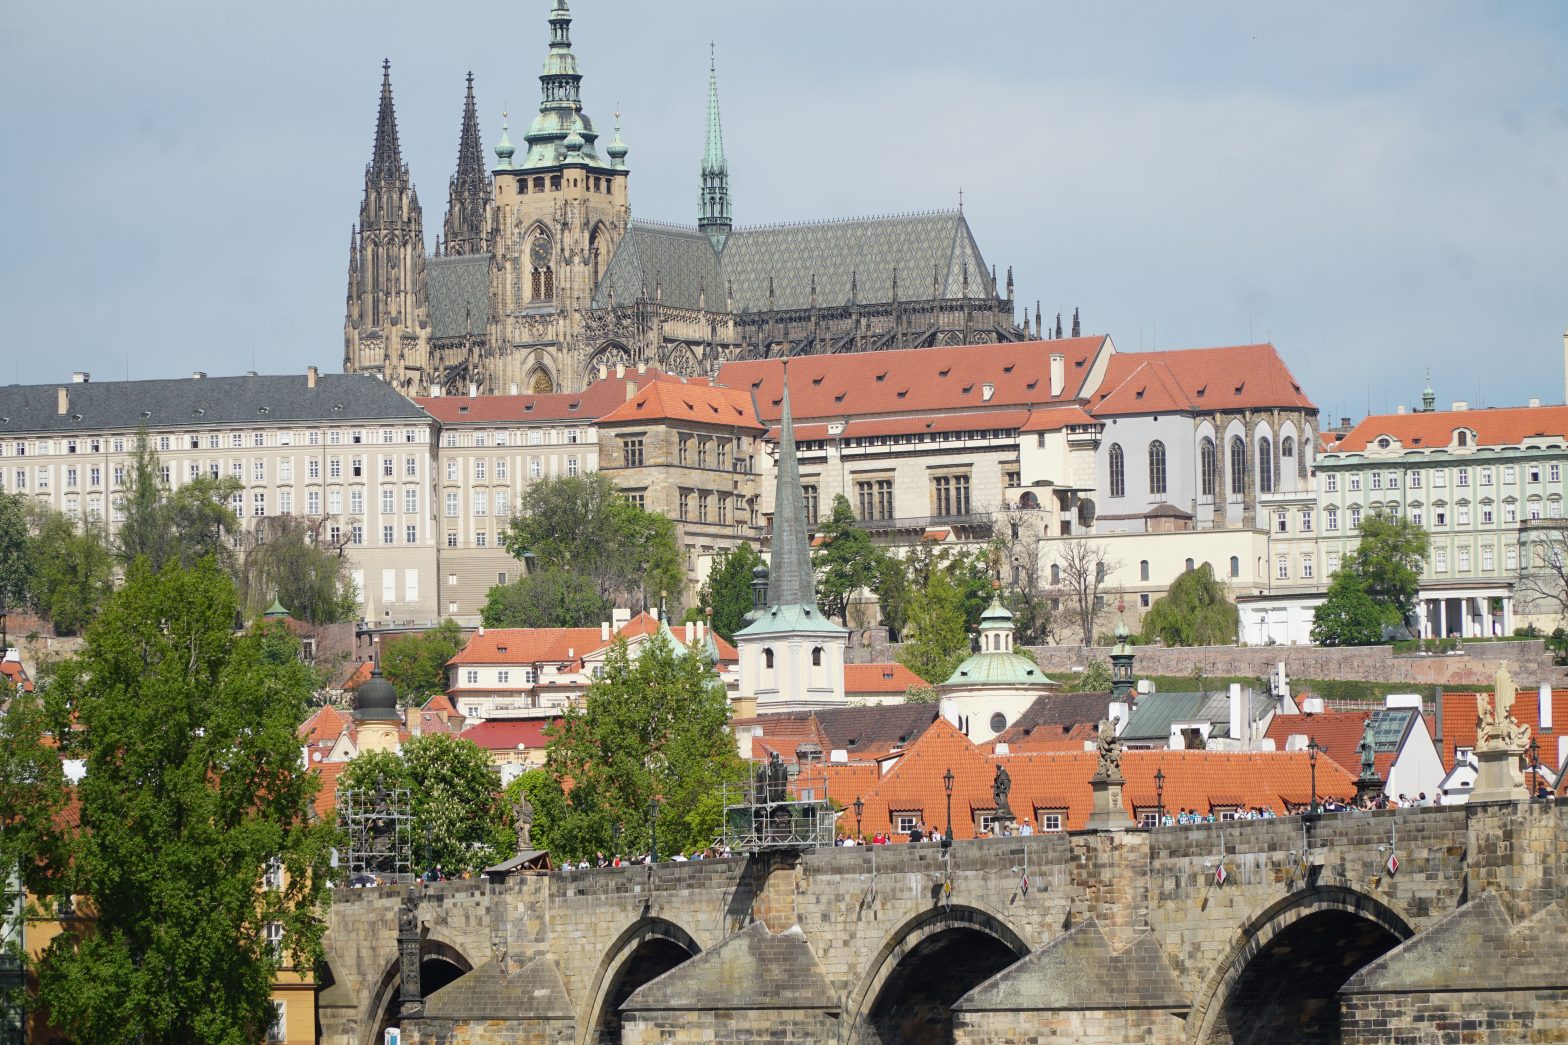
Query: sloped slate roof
459	294
862	251
1153	714
107	406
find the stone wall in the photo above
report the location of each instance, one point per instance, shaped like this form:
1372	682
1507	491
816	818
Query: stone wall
706	1028
1090	1027
1526	659
1438	1017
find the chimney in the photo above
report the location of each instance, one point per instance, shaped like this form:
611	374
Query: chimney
604	631
620	370
514	388
1400	409
1545	718
1058	374
620	617
473	390
1344	422
80	377
604	371
1236	718
435	391
311	373
1535	401
62	401
631	390
197	375
642	366
691	633
1459	405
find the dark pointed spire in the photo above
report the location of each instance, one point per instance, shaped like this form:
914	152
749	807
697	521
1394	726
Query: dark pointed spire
1077	329
1039	329
468	197
386	162
790	580
713	204
1058	324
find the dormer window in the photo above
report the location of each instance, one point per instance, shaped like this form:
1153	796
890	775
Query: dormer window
1462	438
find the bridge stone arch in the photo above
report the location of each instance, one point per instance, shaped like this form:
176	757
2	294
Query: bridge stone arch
646	949
440	962
962	945
1277	966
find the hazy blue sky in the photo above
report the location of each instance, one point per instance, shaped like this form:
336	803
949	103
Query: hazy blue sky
1376	187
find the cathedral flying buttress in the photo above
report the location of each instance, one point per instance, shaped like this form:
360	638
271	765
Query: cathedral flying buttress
540	280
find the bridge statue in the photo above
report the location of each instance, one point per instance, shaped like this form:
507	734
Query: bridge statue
523	822
1109	748
1001	787
1499	745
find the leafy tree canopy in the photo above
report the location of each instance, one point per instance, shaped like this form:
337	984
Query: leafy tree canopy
550	598
582	524
1349	616
71	570
936	639
653	728
193	785
1197	611
293	563
416	664
16	565
728	589
164	525
1388	562
845	560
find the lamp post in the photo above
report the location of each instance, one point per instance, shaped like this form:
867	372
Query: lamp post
1535	765
1312	761
947	785
1159	796
860	807
653	830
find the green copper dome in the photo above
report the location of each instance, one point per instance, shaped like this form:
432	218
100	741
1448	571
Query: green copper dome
997	669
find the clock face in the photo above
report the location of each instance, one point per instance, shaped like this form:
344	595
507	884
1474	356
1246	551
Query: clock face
540	251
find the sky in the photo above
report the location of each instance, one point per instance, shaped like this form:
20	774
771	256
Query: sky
1377	188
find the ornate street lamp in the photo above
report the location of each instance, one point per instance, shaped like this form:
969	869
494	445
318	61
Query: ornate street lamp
860	807
653	830
947	785
1535	765
1159	796
1312	761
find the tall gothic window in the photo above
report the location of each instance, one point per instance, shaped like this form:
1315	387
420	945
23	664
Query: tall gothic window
1118	471
1265	466
593	253
542	273
1156	467
1209	466
1238	465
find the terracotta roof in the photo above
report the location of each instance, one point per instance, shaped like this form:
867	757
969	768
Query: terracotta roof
439	704
1460	711
915	380
879	678
913	424
324	726
558	645
326	799
1056	418
12	669
509	734
1197	380
785	732
672	401
1071	737
592	403
1060	782
1338	734
432	722
1507	426
360	674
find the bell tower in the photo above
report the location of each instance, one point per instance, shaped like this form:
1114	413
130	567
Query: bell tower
560	211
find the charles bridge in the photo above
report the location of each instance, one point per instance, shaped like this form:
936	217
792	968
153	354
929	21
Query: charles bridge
1416	925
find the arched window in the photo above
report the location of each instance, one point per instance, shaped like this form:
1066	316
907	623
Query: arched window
1143	570
1235	566
1287	448
1118	471
1238	465
1265	466
816	656
593	252
767	657
1464	438
1056	573
1156	467
1189	565
1208	465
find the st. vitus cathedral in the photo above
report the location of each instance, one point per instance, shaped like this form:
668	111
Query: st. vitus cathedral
541	277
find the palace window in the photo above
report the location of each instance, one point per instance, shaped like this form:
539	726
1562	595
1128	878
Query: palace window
1118	464
1265	466
1238	465
1156	467
1209	465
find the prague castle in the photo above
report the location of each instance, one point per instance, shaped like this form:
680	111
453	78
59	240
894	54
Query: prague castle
541	277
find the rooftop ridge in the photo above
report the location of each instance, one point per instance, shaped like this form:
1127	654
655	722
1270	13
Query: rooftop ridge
851	219
673	226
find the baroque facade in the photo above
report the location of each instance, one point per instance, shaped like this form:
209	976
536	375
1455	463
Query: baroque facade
541	277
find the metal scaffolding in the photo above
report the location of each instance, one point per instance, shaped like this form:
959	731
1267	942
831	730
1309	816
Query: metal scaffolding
781	807
380	830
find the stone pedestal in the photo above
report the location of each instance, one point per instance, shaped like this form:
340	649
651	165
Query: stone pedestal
1108	813
1499	776
1368	787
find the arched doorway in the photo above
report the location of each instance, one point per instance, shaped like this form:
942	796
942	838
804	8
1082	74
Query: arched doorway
1282	981
926	966
644	952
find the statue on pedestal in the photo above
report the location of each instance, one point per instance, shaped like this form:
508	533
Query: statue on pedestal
523	822
1499	745
1109	748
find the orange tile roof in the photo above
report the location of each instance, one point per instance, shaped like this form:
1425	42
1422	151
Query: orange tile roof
1338	733
439	704
915	380
590	404
1060	782
324	726
509	734
559	645
1197	380
1056	418
1068	737
326	799
879	678
1506	426
671	401
359	676
915	424
1460	711
12	670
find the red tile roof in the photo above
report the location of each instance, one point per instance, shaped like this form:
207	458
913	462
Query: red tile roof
360	675
590	404
326	799
1507	426
1197	380
558	645
879	678
1460	711
12	669
1060	782
509	734
1056	418
971	421
672	401
916	380
324	726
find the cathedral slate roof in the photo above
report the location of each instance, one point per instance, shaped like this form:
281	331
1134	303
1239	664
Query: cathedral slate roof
201	403
859	256
459	288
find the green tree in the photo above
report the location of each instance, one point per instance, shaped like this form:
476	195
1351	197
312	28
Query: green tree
1388	562
892	588
936	641
845	560
375	771
416	664
292	561
1348	616
184	525
16	562
653	728
582	524
1096	678
72	571
460	818
553	598
194	787
548	801
1197	611
728	589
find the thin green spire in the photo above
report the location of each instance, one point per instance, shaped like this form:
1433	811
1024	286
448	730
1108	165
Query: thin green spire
713	201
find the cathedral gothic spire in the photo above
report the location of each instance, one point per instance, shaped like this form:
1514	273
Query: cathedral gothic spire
713	215
468	199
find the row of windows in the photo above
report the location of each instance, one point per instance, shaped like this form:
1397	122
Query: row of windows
705	452
484	469
1208	466
210	441
481	501
710	507
1484	475
533	437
